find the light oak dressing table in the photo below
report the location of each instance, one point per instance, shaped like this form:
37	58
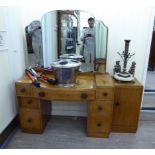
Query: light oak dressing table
112	106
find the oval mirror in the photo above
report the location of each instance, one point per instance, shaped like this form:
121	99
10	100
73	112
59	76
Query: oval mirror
71	34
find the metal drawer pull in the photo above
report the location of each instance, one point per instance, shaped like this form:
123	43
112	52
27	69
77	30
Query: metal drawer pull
105	94
84	96
99	124
23	90
29	120
100	108
41	94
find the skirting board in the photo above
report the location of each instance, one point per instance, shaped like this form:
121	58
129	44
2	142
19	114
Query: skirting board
8	130
69	113
64	108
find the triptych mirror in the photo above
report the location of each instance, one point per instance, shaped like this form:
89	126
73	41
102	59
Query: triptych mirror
68	33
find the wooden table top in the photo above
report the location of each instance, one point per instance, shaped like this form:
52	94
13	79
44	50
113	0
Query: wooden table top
83	81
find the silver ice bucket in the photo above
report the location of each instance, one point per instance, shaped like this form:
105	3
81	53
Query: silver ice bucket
65	71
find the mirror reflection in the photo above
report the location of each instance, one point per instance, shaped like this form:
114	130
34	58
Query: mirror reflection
73	34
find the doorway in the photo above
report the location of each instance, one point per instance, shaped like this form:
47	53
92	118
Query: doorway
149	90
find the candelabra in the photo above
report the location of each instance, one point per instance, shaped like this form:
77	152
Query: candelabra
123	74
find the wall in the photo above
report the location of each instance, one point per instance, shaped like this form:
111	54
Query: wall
12	64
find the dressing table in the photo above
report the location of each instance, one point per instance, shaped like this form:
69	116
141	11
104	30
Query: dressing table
112	106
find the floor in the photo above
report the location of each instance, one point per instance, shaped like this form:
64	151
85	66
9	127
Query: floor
70	133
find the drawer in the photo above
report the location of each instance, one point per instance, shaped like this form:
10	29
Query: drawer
64	94
23	90
98	124
105	93
30	119
32	103
102	107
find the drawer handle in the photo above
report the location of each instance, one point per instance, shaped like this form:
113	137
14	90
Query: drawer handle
100	108
29	120
117	103
22	90
29	102
84	96
41	94
99	124
105	94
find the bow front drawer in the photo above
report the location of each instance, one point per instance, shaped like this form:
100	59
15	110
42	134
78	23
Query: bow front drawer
59	94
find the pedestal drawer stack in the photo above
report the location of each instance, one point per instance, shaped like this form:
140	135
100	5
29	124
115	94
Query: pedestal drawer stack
33	112
100	110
